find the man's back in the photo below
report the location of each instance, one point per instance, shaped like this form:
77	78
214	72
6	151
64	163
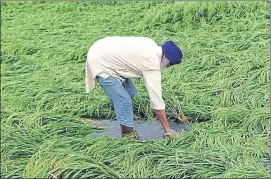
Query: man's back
124	55
125	45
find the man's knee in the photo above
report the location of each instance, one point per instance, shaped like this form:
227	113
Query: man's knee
123	99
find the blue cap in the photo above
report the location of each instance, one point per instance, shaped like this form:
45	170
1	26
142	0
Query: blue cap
172	52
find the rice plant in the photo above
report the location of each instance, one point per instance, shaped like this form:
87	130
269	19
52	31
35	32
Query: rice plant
221	88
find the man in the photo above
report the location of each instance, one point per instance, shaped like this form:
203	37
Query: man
113	61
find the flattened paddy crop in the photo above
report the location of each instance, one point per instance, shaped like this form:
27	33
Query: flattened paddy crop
222	87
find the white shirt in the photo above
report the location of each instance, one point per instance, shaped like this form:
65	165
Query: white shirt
127	57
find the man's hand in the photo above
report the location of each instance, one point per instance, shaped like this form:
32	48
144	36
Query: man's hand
163	119
171	135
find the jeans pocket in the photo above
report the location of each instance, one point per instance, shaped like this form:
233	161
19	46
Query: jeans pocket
107	81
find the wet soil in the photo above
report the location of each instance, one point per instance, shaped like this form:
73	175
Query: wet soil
147	130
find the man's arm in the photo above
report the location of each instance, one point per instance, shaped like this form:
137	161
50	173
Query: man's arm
154	88
161	114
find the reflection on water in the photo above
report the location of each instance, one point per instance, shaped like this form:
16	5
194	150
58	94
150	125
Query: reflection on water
148	130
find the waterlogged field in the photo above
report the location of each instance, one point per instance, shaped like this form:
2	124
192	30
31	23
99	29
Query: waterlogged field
222	84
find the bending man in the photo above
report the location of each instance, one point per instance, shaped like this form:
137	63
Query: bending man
114	61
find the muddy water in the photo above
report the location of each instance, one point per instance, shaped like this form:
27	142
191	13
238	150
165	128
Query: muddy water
148	130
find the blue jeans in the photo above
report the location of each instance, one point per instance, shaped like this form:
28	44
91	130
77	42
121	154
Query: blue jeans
120	96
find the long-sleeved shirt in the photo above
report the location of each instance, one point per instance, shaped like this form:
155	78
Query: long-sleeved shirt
127	57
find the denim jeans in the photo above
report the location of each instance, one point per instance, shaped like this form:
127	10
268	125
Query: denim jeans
120	96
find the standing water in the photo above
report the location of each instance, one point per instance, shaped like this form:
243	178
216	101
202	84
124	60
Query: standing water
147	130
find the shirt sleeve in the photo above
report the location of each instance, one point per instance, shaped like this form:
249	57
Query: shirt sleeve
153	85
90	82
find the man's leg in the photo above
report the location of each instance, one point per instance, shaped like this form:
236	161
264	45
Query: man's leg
129	86
121	101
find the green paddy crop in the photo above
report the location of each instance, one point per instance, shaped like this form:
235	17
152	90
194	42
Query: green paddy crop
222	87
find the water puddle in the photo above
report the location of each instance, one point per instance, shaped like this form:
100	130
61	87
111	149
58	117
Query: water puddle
266	164
148	130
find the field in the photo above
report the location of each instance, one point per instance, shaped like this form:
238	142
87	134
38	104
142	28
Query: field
222	84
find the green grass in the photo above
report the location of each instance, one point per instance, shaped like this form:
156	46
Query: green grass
223	84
